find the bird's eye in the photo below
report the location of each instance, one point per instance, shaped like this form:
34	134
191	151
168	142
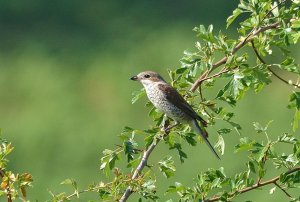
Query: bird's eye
147	76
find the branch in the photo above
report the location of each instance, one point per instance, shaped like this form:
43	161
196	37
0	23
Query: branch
77	193
139	169
142	164
258	185
241	44
8	194
269	68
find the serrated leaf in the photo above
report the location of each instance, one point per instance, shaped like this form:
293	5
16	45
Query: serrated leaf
181	153
259	128
130	149
190	138
286	138
166	166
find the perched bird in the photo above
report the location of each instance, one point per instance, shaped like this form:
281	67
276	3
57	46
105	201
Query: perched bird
166	99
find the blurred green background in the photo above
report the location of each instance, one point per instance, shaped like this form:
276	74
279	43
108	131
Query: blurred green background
65	92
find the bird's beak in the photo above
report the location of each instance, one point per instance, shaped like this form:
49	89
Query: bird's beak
134	78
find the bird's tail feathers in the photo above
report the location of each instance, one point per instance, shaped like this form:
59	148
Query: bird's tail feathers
201	131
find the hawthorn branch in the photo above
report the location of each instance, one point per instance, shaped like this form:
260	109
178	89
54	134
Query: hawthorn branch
139	169
258	185
241	44
269	68
142	164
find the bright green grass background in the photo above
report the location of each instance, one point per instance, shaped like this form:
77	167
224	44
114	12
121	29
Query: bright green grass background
65	92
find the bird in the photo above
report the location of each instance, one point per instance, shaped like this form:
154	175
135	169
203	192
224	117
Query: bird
169	101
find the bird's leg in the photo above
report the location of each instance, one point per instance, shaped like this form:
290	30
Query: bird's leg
167	129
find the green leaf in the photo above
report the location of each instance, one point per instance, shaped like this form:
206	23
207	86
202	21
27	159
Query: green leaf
109	159
289	65
137	95
259	128
286	138
251	166
166	166
181	70
150	185
234	15
294	100
190	138
103	194
133	163
181	153
224	131
237	88
70	182
130	149
295	23
296	119
220	144
245	144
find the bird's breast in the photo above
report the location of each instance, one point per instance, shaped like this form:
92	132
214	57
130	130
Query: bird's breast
160	101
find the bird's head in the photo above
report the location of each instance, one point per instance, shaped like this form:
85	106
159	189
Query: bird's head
148	77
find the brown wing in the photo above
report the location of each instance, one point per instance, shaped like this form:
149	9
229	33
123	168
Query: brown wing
176	99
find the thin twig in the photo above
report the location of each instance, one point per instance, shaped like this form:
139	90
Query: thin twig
266	15
216	75
284	191
269	68
247	39
257	185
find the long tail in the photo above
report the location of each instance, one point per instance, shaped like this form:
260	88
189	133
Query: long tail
201	131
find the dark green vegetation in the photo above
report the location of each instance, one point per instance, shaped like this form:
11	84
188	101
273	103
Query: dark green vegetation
65	93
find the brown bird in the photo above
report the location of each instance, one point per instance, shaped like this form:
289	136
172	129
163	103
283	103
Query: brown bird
166	99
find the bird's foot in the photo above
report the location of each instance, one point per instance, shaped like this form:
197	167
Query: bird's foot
167	129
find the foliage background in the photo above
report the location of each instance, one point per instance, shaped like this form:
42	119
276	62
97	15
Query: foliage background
65	93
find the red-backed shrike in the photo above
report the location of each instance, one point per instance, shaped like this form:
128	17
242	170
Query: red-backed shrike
166	99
